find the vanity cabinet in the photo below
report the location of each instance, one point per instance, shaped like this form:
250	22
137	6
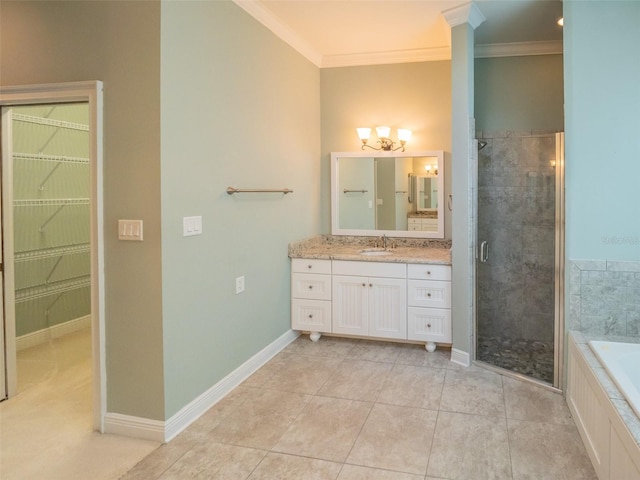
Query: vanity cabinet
423	224
311	295
372	299
369	299
429	304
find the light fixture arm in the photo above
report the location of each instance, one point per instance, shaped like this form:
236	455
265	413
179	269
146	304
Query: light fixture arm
386	145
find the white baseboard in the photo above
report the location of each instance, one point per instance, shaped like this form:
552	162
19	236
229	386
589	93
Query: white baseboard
137	427
43	336
460	357
169	429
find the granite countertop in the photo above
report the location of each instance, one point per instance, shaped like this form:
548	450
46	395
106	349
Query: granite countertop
615	395
403	250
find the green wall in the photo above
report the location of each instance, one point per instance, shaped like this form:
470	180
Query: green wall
416	96
118	43
51	240
602	141
519	93
239	108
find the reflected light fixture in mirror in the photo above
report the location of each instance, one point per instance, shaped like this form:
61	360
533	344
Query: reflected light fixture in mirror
386	144
431	171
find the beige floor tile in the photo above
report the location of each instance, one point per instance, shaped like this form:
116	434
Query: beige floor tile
418	356
395	438
375	351
470	447
161	459
356	380
215	460
544	451
264	373
326	429
413	386
354	472
302	373
478	393
525	401
259	422
278	466
325	347
221	410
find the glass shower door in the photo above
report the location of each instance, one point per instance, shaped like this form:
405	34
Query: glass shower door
516	265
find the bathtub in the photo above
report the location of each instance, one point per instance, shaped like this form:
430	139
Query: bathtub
622	362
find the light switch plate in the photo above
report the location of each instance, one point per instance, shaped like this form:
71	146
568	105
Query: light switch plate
191	226
130	230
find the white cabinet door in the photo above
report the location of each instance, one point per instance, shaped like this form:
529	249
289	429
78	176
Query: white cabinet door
387	308
309	285
370	306
311	315
429	324
429	293
350	305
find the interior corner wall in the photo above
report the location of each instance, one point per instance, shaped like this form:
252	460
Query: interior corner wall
239	108
416	96
602	140
519	94
119	44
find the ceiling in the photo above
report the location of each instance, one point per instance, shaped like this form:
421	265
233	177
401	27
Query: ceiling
361	32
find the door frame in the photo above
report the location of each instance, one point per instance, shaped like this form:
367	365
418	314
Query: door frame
90	92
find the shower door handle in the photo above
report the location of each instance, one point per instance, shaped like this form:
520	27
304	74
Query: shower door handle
484	251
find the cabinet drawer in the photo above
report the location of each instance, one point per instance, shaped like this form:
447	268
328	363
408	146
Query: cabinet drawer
369	269
311	315
427	271
308	285
429	293
308	265
429	324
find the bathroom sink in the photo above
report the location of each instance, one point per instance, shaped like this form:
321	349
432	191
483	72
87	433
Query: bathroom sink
374	252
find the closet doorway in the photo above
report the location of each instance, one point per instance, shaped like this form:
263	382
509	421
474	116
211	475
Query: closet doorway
51	224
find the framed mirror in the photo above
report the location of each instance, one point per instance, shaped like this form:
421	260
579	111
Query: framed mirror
388	193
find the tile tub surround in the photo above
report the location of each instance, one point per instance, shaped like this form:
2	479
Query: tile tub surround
632	421
338	247
604	297
609	428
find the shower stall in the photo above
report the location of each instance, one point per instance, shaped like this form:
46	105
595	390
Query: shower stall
519	261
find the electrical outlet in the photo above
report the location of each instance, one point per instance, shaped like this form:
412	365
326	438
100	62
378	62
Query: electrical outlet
239	285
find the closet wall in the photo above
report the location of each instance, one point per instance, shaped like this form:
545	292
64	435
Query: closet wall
51	182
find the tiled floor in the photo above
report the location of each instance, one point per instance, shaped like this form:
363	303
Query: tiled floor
349	409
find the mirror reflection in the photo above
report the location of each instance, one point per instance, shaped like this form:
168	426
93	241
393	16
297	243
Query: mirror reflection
394	194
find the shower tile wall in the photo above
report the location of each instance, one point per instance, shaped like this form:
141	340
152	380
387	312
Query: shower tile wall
516	216
604	297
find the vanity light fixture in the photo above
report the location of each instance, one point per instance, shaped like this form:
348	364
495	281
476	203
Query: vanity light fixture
560	21
431	170
385	142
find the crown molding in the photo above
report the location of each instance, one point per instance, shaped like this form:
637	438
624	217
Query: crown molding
467	13
381	58
519	49
266	18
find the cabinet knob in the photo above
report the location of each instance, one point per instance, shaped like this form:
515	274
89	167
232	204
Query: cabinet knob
310	315
364	284
428	272
309	266
310	287
428	324
371	284
429	295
